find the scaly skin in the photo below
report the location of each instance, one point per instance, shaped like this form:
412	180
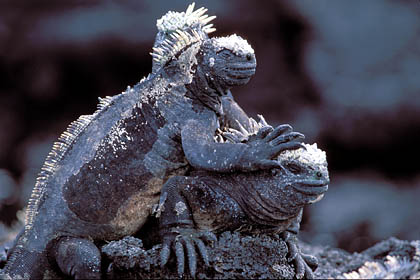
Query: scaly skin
194	207
102	180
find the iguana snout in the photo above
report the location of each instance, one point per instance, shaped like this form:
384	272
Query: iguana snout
229	61
307	174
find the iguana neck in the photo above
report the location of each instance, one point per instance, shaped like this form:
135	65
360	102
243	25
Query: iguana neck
260	208
206	92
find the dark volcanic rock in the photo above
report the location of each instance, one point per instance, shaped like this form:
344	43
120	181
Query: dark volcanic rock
232	256
392	259
238	256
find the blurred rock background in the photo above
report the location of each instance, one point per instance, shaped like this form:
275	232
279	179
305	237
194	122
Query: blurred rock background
345	73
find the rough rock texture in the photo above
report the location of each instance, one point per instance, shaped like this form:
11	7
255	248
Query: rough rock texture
238	256
232	256
392	258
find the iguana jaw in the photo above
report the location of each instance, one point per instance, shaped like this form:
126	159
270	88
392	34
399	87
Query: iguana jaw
311	187
231	71
240	74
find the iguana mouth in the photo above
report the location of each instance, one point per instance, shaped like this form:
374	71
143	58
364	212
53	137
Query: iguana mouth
242	71
311	187
240	75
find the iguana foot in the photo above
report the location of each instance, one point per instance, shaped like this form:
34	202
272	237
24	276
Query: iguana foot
78	258
184	240
280	138
304	264
269	143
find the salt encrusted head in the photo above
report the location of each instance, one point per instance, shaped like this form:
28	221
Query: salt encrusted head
222	62
230	61
305	170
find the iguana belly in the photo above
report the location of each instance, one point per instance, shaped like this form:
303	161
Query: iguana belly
133	213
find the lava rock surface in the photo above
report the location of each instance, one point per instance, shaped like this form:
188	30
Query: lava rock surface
232	256
239	256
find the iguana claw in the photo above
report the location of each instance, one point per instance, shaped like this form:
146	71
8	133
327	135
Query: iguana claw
304	264
184	241
267	144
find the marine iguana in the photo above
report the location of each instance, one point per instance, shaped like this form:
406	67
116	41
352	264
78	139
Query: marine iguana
197	20
107	169
265	201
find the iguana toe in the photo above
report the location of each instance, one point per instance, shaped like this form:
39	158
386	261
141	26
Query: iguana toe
304	264
185	243
312	261
264	131
287	138
278	131
179	252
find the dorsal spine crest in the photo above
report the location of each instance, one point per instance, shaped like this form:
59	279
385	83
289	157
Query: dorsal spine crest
179	40
57	152
179	30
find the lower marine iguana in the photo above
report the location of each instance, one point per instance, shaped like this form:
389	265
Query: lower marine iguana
105	173
193	207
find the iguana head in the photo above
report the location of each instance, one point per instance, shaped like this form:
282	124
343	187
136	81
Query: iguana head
182	45
305	173
272	196
227	61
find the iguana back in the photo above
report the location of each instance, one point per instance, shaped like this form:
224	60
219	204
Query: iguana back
105	173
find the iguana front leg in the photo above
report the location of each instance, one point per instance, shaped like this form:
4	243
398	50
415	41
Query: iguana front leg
304	264
177	227
203	153
77	257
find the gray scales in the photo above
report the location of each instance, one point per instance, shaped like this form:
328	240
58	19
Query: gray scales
105	173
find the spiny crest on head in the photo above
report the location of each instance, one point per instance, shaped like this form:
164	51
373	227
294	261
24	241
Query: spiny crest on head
179	30
178	40
173	21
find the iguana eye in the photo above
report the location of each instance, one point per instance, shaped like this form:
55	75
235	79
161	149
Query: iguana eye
319	174
275	171
224	53
294	168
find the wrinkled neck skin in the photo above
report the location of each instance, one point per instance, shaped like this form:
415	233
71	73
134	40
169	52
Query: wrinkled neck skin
207	90
266	203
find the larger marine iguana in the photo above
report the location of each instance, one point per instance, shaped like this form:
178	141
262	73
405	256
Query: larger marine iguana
107	169
263	201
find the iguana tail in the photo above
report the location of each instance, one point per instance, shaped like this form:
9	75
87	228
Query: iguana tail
28	258
24	264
